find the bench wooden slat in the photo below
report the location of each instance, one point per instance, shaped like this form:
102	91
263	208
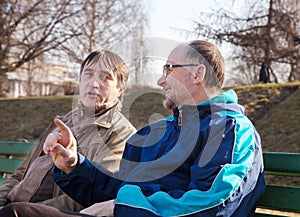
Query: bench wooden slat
9	165
287	198
264	215
15	148
280	198
12	154
277	163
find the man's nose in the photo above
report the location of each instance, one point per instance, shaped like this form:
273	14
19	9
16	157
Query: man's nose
96	83
161	81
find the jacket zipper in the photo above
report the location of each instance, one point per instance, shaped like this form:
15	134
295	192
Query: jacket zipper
180	117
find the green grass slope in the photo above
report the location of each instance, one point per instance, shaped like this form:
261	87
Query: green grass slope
279	128
27	118
274	109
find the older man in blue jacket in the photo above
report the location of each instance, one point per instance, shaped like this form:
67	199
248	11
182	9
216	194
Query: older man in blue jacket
205	160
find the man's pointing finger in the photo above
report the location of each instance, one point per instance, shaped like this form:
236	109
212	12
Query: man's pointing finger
61	125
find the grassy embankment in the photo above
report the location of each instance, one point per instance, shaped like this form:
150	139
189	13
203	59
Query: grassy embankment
274	109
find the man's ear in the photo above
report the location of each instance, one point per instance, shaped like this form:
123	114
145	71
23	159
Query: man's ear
199	73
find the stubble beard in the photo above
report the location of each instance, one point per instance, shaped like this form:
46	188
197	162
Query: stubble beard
169	104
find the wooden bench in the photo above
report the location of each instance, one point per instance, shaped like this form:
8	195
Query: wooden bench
280	200
12	154
277	200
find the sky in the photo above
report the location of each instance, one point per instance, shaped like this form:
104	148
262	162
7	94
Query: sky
167	14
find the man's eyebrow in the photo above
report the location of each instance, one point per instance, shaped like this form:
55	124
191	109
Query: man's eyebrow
107	72
88	69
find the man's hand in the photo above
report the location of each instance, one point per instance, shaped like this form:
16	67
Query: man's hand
62	146
100	209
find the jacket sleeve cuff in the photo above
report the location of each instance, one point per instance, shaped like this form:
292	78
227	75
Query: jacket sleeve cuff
60	172
57	171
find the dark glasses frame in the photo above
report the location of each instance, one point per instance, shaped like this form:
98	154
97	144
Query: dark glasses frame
167	67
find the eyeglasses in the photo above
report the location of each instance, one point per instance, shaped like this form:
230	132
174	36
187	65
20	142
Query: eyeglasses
167	68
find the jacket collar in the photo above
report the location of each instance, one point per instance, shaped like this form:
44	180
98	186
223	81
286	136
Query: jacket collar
105	118
102	116
226	101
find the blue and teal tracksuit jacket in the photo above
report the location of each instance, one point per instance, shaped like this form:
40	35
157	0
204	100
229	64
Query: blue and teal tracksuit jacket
205	160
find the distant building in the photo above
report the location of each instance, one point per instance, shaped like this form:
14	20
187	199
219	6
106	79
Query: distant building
42	80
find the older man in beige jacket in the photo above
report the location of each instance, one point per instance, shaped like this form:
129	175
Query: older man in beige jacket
99	127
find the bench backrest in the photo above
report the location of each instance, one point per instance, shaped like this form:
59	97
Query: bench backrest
283	198
12	154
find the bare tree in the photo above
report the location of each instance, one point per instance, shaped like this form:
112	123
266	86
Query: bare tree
34	30
263	36
139	51
31	28
103	24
